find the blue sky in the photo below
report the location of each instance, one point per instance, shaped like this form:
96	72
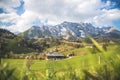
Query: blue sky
20	9
20	15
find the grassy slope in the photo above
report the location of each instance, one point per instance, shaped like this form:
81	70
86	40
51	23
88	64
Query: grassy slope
66	49
77	59
40	66
76	63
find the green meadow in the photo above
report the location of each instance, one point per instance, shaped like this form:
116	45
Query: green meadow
74	68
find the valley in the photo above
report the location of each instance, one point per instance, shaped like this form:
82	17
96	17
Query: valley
59	39
50	57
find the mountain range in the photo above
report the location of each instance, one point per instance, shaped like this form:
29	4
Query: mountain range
70	30
52	35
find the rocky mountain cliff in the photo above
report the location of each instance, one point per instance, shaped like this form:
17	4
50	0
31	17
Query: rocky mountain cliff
67	30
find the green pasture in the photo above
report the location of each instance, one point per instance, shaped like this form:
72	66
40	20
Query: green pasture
77	63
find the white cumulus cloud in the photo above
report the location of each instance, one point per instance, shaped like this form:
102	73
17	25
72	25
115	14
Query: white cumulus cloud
57	11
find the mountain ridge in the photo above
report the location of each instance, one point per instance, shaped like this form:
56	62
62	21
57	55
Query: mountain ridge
67	30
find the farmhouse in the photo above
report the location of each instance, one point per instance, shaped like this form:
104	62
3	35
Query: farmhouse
70	55
54	56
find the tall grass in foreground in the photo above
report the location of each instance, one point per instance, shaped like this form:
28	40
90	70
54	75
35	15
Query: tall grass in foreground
106	71
109	69
6	73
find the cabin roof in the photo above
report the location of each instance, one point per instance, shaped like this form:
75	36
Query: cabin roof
54	54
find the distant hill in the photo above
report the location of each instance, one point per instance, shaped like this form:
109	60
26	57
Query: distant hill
5	38
6	34
11	42
113	33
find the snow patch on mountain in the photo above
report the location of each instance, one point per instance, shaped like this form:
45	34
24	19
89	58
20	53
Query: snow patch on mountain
66	30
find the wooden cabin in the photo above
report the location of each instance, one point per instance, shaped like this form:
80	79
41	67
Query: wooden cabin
54	56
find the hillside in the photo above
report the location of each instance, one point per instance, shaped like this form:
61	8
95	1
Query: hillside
6	34
11	43
5	38
17	44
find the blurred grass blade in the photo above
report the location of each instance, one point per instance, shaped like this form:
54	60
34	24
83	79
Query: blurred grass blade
97	45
